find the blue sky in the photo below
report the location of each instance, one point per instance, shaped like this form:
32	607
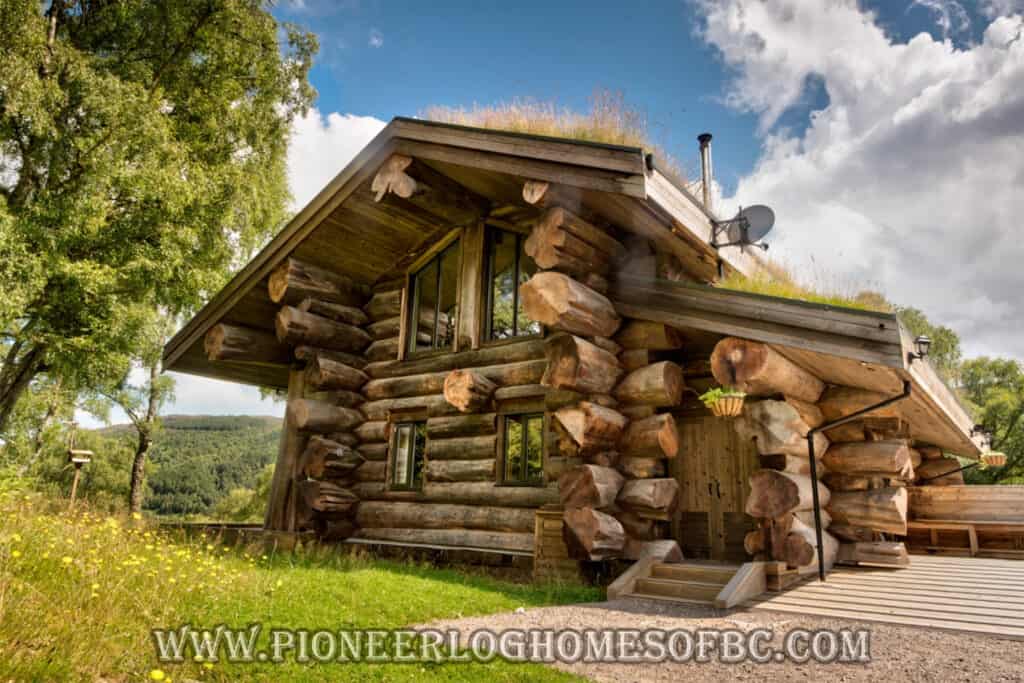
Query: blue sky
386	59
888	135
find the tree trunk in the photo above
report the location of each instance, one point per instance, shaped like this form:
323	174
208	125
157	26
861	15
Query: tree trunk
777	428
651	437
326	374
838	402
559	302
15	376
316	416
328	459
592	427
802	546
774	494
461	425
294	280
298	328
468	390
237	343
397	514
644	334
577	365
649	494
384	305
592	535
758	369
589	486
882	509
944	466
462	448
641	468
459	470
337	312
870	459
324	496
137	486
659	385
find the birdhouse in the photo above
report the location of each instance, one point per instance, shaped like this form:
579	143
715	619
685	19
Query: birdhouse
79	457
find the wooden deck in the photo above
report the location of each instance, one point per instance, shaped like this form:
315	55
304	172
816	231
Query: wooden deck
971	595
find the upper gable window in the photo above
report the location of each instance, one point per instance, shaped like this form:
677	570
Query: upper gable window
434	294
507	266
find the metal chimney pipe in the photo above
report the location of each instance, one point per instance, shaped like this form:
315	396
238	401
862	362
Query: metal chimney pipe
705	168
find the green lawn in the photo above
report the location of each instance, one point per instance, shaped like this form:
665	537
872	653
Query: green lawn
79	595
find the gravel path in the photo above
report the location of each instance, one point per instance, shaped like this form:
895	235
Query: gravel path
898	653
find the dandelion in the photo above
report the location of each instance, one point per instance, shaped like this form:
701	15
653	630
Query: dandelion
136	515
95	586
66	559
157	675
207	665
15	553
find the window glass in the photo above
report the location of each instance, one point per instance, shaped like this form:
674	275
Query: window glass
408	446
523	455
433	309
508	266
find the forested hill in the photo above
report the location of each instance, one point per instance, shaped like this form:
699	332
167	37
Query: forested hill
198	460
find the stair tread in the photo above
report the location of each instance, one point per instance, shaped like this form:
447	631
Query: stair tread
680	582
651	596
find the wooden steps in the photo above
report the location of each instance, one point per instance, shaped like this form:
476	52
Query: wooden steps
690	582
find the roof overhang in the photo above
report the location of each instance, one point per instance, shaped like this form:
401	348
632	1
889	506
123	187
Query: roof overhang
842	346
618	183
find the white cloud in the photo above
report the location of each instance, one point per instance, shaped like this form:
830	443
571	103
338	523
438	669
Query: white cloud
321	146
910	178
376	38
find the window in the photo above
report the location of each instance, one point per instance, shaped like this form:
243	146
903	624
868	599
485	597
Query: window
408	444
507	266
523	449
433	308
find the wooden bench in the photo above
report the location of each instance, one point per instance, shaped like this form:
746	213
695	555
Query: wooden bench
970	527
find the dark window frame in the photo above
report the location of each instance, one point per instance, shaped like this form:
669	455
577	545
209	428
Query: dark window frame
415	475
523	420
488	272
412	313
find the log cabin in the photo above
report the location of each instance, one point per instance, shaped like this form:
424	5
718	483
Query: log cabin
495	341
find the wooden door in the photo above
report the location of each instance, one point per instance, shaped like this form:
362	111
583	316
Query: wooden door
712	470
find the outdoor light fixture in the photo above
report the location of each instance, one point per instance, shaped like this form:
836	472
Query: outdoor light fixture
921	347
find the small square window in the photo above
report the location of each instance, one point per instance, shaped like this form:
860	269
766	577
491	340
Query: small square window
408	444
523	450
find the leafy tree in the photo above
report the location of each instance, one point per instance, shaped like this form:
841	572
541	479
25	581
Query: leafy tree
142	402
142	154
995	388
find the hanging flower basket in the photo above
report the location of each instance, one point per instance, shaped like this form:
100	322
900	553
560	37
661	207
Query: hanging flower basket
728	406
724	402
994	459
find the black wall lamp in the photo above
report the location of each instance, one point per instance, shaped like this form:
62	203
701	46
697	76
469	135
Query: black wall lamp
922	345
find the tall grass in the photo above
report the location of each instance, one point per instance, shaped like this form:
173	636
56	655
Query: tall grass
775	279
80	592
609	120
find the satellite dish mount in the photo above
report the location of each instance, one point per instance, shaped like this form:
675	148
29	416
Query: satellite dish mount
747	229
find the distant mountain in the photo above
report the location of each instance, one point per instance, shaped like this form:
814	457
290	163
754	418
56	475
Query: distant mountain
198	459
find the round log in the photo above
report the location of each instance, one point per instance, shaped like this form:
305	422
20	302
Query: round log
649	494
559	302
647	335
590	534
592	427
237	343
883	509
295	280
777	428
589	486
870	459
316	416
326	374
577	365
759	370
396	514
468	391
774	493
298	328
659	385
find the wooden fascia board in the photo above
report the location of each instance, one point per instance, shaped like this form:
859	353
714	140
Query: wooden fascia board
628	160
938	397
839	333
692	222
307	220
584	177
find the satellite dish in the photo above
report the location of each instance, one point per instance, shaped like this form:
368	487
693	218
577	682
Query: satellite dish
748	228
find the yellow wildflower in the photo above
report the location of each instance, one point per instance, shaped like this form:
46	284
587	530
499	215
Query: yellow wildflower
66	560
157	675
136	515
15	553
